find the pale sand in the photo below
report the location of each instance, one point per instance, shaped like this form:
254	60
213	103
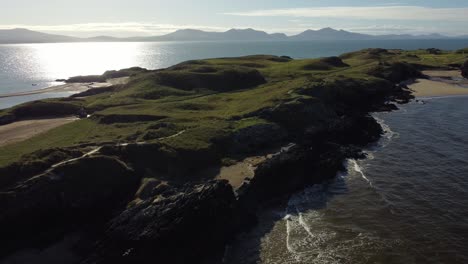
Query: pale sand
22	130
71	87
443	73
237	173
441	83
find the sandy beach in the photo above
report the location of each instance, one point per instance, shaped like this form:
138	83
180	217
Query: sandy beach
70	87
440	83
22	130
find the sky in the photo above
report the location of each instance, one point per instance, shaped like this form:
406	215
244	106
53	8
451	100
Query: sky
123	18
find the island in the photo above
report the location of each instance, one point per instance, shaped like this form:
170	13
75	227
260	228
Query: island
172	164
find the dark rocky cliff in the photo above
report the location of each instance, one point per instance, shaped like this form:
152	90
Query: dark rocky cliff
464	69
140	202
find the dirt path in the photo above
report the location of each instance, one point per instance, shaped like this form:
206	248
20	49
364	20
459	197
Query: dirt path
22	130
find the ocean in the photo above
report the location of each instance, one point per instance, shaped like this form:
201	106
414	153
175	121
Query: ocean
25	67
406	203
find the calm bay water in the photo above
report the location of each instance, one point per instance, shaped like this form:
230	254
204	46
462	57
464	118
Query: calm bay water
406	203
23	65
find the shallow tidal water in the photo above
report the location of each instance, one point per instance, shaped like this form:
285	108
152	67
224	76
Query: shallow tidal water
406	203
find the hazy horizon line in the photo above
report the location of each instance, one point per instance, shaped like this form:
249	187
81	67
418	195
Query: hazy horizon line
211	30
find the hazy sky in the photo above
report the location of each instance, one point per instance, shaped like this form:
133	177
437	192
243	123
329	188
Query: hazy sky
155	17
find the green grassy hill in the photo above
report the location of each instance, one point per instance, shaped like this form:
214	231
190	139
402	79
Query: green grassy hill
199	106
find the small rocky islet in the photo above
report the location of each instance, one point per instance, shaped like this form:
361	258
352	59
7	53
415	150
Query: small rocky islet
136	178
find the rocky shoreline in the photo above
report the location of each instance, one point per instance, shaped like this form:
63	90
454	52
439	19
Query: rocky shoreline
136	202
170	223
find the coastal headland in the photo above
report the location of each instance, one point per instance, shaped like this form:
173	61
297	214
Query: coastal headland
173	164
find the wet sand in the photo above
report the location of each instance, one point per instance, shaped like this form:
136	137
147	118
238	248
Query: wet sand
70	87
440	83
22	130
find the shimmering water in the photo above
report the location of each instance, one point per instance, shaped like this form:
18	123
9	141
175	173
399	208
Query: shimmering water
23	65
406	203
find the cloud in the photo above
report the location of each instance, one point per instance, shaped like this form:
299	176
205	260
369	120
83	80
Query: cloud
397	29
372	13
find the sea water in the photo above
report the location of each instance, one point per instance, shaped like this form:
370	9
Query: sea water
406	203
25	67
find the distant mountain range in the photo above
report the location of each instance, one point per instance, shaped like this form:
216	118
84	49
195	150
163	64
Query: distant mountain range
20	35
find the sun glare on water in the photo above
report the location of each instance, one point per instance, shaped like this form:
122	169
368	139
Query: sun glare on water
63	60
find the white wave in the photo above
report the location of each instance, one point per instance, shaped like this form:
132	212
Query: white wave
369	154
303	210
358	169
388	132
300	239
290	243
443	96
288	240
304	225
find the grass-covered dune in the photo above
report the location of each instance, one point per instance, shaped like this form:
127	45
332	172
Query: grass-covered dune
158	133
216	98
107	75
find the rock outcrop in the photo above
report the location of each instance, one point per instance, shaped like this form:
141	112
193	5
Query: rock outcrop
44	108
79	191
326	63
318	157
110	119
464	69
434	51
296	115
94	91
253	138
34	164
7	119
217	79
172	225
107	75
397	72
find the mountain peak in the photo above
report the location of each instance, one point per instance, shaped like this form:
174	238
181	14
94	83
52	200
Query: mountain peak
247	33
188	30
329	34
21	30
328	29
243	30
